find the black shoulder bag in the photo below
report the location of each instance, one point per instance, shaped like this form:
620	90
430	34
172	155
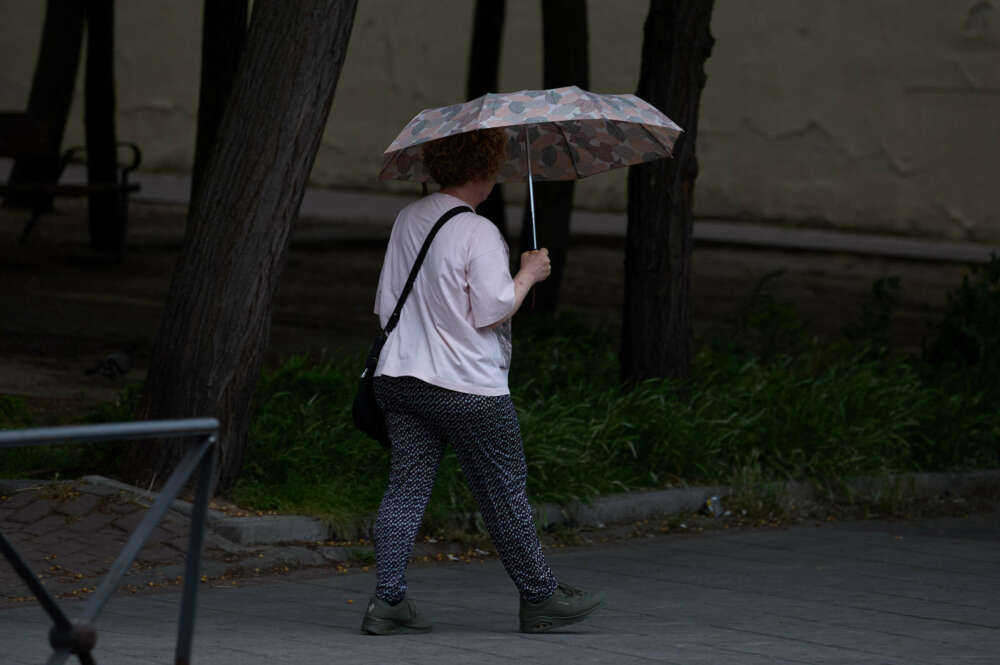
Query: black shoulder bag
368	416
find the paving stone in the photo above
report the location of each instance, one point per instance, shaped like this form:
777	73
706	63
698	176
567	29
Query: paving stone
19	499
91	567
103	552
173	527
129	522
74	547
46	525
32	512
158	552
54	540
159	535
88	524
177	543
124	508
79	506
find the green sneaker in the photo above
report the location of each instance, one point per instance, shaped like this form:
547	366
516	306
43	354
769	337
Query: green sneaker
381	618
566	605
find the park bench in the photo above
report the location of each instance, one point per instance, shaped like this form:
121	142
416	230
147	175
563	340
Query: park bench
23	136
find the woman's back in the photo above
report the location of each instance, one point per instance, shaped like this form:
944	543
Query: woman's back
447	334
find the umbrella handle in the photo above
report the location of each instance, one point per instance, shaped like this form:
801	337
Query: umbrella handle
531	189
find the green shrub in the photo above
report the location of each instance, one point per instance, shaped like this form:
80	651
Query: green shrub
872	326
32	461
14	413
967	339
770	406
824	411
765	326
120	409
69	460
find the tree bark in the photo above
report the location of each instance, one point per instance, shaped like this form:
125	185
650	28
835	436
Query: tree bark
51	96
216	323
565	62
656	327
106	218
223	36
484	74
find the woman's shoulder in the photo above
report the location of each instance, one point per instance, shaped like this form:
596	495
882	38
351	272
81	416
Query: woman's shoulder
469	220
466	228
432	206
478	229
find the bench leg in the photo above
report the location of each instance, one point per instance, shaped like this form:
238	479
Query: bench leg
35	214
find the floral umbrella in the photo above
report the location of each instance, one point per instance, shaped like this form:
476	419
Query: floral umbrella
558	134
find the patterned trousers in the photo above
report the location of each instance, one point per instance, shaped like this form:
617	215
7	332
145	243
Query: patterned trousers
486	436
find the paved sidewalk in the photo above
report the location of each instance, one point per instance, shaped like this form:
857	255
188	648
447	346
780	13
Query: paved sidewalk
865	592
70	533
377	210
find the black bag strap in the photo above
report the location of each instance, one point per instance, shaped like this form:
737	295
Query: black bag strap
394	319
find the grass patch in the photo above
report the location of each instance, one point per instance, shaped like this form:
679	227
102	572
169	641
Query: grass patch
68	461
766	403
824	412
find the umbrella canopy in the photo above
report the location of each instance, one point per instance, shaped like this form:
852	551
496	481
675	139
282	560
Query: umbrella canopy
568	133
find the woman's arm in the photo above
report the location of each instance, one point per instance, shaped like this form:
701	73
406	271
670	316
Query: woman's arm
535	267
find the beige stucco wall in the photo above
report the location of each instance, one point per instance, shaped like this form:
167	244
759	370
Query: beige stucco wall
867	114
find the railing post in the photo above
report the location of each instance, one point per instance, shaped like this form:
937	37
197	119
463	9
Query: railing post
79	638
192	572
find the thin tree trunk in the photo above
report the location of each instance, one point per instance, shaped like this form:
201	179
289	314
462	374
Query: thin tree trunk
216	323
51	96
656	327
484	74
223	35
564	36
106	217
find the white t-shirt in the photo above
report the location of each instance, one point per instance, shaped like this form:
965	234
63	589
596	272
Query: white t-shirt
446	334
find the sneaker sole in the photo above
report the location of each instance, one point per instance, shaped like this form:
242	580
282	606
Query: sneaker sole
388	627
543	624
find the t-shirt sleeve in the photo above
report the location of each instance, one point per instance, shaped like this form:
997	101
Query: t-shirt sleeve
491	288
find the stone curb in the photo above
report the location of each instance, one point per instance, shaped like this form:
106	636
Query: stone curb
629	506
604	510
262	530
920	485
642	505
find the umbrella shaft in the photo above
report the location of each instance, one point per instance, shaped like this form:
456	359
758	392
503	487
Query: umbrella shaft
531	190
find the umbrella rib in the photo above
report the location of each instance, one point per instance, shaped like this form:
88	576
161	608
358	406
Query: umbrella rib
656	139
569	149
389	163
482	106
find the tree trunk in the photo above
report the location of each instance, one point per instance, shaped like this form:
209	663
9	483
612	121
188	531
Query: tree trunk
223	36
656	327
564	37
216	323
105	215
51	95
484	74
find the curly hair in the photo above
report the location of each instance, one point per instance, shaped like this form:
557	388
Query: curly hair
459	158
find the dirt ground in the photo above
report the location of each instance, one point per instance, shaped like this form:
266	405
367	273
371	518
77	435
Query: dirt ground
63	308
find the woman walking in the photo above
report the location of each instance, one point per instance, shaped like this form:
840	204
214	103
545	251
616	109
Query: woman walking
442	380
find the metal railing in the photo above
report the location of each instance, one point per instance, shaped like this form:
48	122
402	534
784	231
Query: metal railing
79	637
